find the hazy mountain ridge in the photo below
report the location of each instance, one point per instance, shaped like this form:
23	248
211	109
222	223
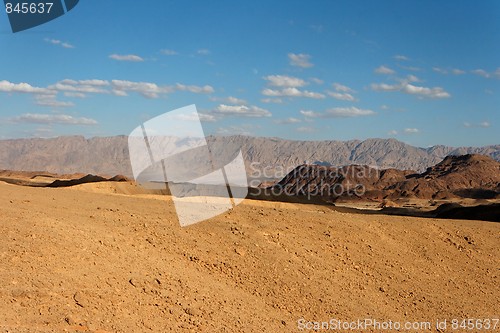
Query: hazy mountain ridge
110	156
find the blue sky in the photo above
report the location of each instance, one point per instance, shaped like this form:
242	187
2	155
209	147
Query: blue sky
423	72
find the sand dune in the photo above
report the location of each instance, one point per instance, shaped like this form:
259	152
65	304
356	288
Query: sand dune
79	261
126	188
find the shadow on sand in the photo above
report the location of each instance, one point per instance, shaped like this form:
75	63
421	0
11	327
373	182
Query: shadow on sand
486	212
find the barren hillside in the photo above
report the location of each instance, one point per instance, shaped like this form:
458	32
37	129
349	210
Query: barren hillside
468	176
77	261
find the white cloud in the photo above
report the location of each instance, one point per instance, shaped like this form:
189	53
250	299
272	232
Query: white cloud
272	100
229	100
284	81
37	118
342	96
484	124
196	117
152	90
310	114
206	89
206	117
457	71
348	112
454	71
386	87
412	78
25	88
343	93
244	129
292	92
74	94
146	89
342	88
287	121
384	70
407	88
339	112
407	131
80	89
51	101
82	86
235	100
241	111
316	80
439	70
436	92
481	72
300	60
411	131
60	43
120	93
401	57
168	52
126	57
203	52
94	82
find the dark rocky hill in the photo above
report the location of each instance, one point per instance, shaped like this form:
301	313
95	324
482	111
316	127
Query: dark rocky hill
469	176
472	175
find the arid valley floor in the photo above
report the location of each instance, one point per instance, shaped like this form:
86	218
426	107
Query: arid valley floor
85	259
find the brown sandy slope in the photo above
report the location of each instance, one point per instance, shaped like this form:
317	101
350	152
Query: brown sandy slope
33	178
47	179
38	174
94	262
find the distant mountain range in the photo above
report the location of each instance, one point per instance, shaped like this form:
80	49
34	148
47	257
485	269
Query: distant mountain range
110	156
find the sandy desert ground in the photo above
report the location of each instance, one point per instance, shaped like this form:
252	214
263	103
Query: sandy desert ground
88	259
